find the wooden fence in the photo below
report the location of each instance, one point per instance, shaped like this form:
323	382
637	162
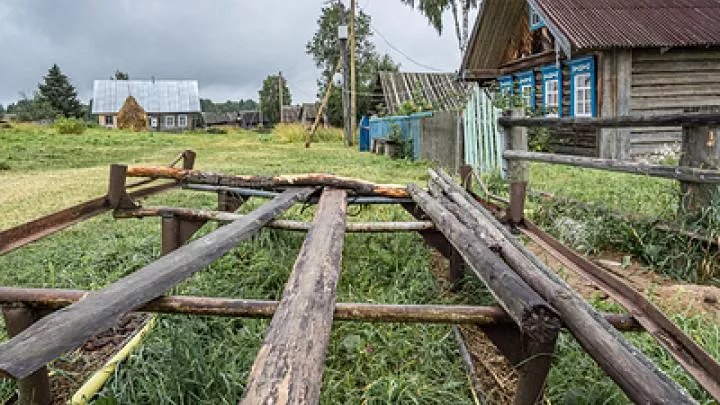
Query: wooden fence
484	142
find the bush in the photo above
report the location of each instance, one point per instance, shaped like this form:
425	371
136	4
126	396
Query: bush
216	131
70	125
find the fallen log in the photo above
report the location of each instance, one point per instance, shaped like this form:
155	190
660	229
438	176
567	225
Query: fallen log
641	380
360	187
208	215
534	317
630	121
66	329
291	359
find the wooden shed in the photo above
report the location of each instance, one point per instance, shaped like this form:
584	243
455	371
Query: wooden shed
601	58
443	91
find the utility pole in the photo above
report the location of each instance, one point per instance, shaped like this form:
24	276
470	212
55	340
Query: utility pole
280	94
353	78
343	39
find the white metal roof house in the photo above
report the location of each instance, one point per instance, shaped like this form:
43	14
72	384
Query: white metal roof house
169	104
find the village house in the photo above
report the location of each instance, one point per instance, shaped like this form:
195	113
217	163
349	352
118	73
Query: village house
601	58
171	105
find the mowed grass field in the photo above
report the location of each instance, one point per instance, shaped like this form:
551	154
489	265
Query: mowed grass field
190	360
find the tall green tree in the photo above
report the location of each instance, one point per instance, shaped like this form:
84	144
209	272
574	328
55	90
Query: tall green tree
433	10
120	76
270	97
57	91
325	51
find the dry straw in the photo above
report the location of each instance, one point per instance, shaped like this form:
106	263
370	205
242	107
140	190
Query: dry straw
132	116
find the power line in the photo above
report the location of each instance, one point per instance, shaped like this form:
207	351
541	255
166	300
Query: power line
403	53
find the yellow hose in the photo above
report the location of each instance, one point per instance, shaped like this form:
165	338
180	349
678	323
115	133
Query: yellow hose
98	380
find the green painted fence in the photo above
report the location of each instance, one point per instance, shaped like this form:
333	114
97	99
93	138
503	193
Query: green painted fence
484	141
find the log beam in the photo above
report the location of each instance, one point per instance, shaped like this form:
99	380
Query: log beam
53	298
641	380
670	120
530	312
360	187
289	366
191	214
64	330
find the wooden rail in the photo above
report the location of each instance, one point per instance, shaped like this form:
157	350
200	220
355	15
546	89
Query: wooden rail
671	120
207	215
360	187
290	363
66	329
689	174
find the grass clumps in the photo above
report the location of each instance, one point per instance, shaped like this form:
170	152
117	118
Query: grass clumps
70	126
296	133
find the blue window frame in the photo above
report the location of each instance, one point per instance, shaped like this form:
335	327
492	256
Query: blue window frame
536	21
526	87
507	85
583	88
552	90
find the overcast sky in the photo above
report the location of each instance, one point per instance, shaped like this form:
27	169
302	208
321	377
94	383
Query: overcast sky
230	46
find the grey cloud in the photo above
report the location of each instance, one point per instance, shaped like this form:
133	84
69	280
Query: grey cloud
230	46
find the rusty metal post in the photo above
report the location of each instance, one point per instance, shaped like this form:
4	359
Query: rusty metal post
530	358
34	389
518	171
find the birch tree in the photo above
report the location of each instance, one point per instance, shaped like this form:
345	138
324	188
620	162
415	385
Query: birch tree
433	10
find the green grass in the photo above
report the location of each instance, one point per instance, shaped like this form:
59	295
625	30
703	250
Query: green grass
189	360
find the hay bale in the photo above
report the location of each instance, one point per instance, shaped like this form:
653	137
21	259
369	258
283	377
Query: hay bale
132	116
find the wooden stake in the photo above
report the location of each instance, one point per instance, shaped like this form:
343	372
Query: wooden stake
323	105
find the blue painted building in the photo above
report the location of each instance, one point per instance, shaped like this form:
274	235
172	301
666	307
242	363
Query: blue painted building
580	58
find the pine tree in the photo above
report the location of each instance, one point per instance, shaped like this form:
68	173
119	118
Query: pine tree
57	91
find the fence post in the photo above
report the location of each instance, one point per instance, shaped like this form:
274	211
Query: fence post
34	389
518	170
701	149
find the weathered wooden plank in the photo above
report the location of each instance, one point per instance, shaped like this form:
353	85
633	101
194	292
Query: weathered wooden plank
673	102
289	366
677	66
532	315
641	380
687	78
677	90
690	174
71	326
304	180
700	148
655	55
685	119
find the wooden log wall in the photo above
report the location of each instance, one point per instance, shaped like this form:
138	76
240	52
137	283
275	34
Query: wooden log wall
668	83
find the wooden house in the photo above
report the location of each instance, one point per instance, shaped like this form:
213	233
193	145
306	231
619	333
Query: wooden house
171	105
601	58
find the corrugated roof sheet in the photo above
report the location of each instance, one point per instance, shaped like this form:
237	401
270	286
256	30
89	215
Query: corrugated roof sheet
155	96
635	23
443	90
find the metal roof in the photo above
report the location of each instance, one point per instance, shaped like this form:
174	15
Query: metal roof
443	90
635	23
593	24
155	96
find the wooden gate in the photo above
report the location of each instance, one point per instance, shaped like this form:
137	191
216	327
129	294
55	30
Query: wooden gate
484	141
